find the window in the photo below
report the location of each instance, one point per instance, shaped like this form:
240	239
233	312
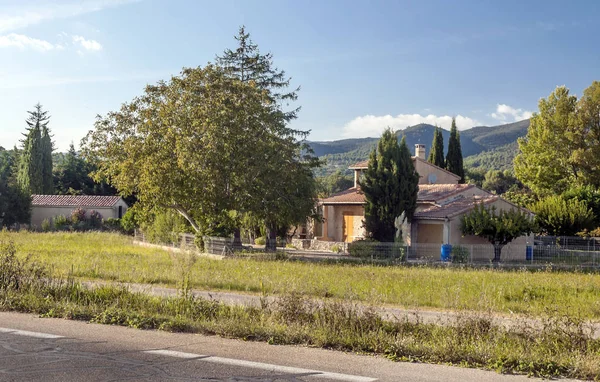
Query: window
120	212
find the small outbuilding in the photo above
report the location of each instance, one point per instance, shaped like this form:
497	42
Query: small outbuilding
49	206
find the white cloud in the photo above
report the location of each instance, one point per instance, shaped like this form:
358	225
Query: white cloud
23	42
372	126
91	45
507	113
40	80
24	16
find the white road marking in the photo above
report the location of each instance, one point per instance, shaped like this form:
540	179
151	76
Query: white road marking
29	334
173	353
263	366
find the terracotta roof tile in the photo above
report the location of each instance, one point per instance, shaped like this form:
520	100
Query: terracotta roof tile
74	200
427	193
350	196
365	164
360	165
435	192
454	208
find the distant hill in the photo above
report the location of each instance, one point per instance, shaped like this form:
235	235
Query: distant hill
341	146
500	158
492	137
487	147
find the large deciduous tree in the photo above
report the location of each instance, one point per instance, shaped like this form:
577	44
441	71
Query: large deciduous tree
390	185
436	155
203	144
454	158
562	146
498	227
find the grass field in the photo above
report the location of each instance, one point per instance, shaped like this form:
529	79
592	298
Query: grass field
114	257
562	346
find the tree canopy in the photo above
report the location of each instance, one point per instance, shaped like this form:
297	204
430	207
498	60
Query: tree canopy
15	204
562	146
203	144
247	64
390	185
35	161
558	216
499	228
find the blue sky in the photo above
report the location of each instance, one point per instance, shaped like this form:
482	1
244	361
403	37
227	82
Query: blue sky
362	66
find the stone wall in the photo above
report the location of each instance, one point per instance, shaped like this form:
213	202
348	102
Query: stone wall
319	245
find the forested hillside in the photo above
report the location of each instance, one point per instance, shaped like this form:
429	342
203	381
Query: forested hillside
486	147
492	137
501	158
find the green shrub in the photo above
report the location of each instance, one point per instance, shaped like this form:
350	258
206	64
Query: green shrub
95	219
46	225
370	249
260	240
336	248
112	224
61	222
77	216
460	254
165	227
129	221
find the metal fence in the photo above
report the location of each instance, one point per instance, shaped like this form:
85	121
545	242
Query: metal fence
568	252
569	256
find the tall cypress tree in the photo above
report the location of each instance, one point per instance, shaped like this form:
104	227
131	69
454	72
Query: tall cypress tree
29	177
390	187
436	155
409	181
454	158
34	176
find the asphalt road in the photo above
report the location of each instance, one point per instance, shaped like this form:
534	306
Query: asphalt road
44	349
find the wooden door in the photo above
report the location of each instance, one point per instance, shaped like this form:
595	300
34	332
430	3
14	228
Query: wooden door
348	227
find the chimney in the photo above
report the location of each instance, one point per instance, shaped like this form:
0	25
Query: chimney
420	151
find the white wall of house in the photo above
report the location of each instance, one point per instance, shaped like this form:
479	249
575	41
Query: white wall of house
41	213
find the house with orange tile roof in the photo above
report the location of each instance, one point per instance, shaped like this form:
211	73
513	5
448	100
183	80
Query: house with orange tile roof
441	201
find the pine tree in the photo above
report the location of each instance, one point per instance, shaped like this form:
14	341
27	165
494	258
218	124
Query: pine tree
247	64
34	176
454	158
436	155
390	186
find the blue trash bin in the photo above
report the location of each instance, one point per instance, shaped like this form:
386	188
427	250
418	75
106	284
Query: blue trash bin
446	252
529	253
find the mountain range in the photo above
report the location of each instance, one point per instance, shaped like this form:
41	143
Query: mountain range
486	147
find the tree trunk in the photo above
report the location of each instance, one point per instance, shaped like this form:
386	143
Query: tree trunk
187	217
237	240
497	252
271	242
